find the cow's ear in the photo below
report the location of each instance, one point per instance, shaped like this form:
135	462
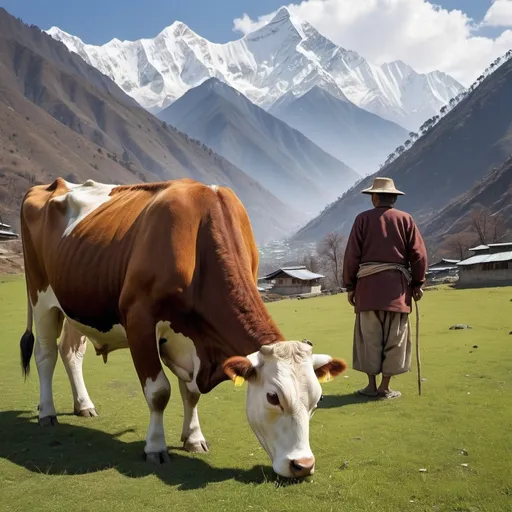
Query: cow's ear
327	368
239	369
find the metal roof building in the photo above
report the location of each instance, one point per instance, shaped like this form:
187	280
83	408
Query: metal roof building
479	248
298	272
486	258
297	280
444	262
442	269
491	265
442	265
6	233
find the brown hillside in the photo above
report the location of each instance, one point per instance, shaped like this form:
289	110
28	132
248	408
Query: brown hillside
493	194
448	161
35	148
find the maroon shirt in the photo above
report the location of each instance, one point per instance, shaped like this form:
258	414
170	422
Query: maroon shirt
384	235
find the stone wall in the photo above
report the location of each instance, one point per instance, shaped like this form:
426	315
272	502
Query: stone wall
477	277
294	289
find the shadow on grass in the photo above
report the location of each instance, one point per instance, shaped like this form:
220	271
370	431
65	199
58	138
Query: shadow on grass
75	450
334	401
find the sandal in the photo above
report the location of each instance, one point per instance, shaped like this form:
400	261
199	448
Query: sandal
389	395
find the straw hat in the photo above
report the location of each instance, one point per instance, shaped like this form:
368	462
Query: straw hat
382	186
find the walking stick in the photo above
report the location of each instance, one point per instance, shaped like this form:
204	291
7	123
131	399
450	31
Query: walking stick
418	360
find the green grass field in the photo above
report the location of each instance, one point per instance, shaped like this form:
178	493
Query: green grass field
368	453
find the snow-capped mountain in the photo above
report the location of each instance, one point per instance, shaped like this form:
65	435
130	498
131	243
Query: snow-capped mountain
286	55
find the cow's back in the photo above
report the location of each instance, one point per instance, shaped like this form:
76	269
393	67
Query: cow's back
181	234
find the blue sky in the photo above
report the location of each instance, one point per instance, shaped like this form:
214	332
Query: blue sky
98	21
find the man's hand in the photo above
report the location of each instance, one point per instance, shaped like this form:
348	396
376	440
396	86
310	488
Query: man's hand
351	297
417	293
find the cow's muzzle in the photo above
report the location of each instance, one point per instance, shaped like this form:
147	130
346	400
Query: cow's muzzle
303	467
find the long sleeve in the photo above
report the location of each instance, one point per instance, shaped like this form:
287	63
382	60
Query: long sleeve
417	257
352	257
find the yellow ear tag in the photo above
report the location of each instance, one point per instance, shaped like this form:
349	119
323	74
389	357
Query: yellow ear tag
239	381
325	378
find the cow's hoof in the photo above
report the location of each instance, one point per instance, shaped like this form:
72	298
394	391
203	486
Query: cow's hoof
86	413
48	421
197	447
157	457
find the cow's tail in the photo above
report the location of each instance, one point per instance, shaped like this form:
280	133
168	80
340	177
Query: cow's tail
27	342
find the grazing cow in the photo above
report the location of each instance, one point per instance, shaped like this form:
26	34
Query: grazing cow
168	270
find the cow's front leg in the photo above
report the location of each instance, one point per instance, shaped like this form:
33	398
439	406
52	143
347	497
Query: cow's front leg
191	435
156	386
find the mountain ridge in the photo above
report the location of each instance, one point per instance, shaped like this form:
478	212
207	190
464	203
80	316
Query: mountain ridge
353	135
285	55
278	156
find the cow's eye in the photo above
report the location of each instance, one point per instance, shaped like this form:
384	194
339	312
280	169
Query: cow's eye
273	399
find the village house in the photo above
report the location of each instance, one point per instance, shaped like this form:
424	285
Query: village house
490	265
297	280
442	269
6	233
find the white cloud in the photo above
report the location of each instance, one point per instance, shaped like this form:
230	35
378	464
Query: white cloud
418	32
245	24
499	14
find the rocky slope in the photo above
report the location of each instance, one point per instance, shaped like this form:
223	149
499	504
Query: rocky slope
492	194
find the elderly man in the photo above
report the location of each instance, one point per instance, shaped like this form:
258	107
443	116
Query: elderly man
384	265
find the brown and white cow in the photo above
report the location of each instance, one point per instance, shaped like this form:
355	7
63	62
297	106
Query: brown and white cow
168	270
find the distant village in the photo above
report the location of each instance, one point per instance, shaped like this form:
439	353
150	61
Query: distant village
318	273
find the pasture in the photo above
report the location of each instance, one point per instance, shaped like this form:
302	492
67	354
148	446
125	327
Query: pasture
368	453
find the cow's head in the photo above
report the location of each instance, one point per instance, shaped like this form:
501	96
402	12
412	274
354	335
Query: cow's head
283	392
